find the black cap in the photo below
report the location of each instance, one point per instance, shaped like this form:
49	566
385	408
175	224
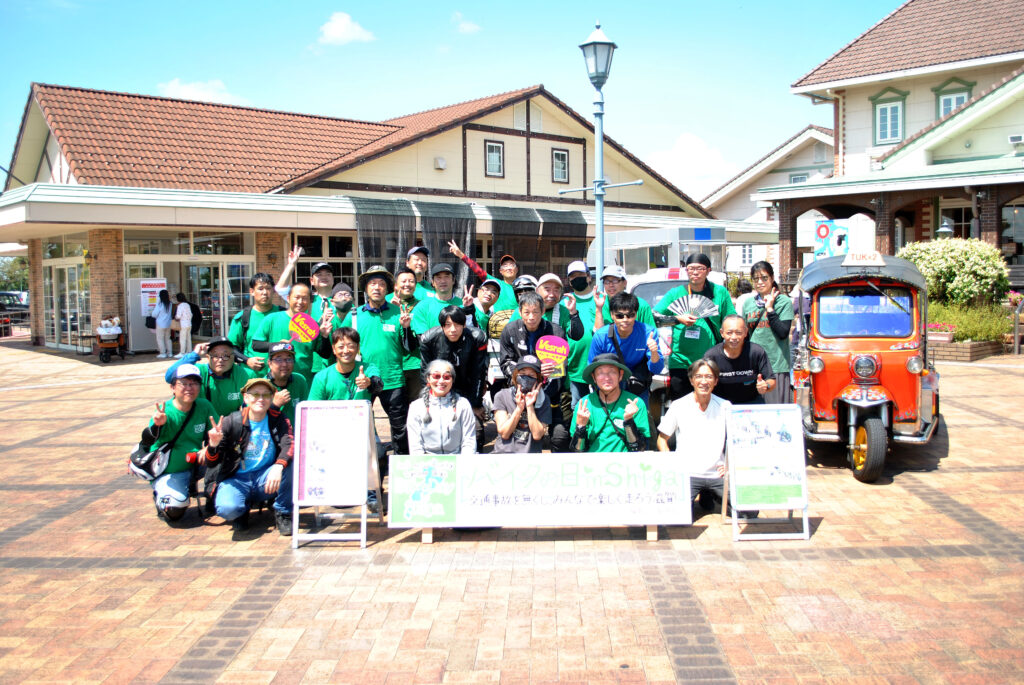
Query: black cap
528	362
441	268
220	340
321	265
417	248
281	347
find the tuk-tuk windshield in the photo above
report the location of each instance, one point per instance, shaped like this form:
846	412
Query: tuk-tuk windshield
860	311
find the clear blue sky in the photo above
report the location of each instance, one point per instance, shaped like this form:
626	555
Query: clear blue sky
698	89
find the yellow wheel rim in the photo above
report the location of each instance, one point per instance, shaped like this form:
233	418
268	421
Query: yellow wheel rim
860	448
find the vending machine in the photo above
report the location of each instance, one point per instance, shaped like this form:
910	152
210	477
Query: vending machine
141	298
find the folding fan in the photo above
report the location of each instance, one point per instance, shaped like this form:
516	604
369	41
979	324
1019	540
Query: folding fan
697	305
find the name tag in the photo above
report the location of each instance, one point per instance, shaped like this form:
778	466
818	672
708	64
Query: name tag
388	328
692	333
234	395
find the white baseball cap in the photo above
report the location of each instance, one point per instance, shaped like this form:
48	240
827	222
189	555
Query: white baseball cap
614	270
549	277
578	266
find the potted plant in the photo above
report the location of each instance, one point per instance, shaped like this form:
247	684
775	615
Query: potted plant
941	332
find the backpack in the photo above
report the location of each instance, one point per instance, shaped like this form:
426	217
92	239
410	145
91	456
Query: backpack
197	316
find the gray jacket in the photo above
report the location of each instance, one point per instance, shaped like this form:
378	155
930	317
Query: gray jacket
451	429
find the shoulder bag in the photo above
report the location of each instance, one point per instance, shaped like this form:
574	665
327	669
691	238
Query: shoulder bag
149	464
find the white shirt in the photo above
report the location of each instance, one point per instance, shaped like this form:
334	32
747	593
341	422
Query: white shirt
184	314
700	435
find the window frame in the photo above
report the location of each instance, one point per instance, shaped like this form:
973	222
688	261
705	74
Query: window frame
501	158
893	100
952	87
555	151
794	178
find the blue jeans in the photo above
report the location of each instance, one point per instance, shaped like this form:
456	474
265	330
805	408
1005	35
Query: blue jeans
236	494
579	391
171	490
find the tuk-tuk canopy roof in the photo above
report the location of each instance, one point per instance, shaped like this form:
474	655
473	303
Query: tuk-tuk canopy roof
831	270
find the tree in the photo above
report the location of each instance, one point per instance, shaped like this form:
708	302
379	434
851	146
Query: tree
13	273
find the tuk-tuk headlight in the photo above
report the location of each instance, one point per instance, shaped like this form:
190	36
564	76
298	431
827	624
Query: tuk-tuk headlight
865	367
815	365
915	364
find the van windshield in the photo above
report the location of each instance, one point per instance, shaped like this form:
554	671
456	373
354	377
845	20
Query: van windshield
858	311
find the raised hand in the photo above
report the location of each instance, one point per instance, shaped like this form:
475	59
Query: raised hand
294	254
769	301
570	304
467	298
282	397
547	367
762	385
583	413
531	397
599	299
520	398
362	380
453	247
406	317
159	417
201	349
326	322
216	432
652	343
632	407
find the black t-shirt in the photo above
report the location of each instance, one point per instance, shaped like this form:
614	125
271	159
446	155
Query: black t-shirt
737	379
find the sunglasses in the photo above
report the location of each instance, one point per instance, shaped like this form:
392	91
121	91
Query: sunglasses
440	376
624	315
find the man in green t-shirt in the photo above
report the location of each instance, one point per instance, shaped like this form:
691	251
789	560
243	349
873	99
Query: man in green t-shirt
278	326
417	259
442	277
346	379
184	419
405	294
609	419
222	378
385	337
692	336
245	323
289	388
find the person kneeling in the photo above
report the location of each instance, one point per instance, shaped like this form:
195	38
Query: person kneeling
522	412
252	461
620	425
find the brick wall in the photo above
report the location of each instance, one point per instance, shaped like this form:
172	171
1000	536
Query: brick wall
35	290
268	244
885	225
927	220
787	238
963	352
106	275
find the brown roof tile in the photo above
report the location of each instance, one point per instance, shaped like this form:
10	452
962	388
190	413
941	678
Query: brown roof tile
138	140
922	33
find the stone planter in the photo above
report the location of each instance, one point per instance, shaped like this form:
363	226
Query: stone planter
962	351
940	336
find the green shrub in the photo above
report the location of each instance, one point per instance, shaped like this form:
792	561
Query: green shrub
960	271
979	322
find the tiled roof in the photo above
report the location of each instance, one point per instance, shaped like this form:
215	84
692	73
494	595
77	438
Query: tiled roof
138	140
412	127
922	33
809	127
956	112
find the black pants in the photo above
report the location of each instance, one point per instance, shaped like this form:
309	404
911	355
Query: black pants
395	403
679	383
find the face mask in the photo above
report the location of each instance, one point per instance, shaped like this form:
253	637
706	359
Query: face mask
526	383
579	284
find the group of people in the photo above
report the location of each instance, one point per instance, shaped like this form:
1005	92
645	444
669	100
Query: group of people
442	366
165	315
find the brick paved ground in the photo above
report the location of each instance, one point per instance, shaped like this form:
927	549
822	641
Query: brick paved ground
915	579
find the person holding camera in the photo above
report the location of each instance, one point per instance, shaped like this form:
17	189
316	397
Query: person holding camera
634	342
522	412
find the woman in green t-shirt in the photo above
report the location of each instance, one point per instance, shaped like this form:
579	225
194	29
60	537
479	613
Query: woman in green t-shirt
769	316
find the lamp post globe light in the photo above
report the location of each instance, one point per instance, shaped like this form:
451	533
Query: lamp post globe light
945	230
597	53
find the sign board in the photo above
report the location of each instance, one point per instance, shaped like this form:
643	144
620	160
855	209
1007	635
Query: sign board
551	348
873	258
335	461
303	328
830	239
600	489
767	463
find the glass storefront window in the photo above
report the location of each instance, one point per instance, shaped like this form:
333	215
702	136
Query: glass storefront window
140	270
312	245
238	289
339	246
222	243
156	242
49	316
1013	234
53	248
75	244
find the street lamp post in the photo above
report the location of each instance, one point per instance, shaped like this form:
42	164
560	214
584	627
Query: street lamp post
597	52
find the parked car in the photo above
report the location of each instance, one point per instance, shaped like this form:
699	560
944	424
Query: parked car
14	307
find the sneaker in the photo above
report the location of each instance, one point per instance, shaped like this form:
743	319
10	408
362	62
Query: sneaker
179	355
284	523
161	356
241	524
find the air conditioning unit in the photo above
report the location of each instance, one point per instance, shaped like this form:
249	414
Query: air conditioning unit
1016	139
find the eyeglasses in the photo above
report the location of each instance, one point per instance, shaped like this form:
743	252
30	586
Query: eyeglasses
188	384
696	269
282	360
260	395
624	315
440	376
703	377
761	279
221	357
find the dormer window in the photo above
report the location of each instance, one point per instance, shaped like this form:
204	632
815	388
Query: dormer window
889	114
950	95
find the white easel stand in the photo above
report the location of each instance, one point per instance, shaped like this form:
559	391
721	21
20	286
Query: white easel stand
342	516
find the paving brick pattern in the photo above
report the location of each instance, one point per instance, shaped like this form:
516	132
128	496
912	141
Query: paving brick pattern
918	578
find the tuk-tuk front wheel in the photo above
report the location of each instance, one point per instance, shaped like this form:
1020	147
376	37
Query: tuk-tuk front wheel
868	454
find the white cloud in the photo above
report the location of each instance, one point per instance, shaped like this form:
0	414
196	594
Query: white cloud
693	165
205	91
341	29
463	25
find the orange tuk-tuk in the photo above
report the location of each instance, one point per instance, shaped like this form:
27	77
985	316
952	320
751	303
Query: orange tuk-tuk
861	373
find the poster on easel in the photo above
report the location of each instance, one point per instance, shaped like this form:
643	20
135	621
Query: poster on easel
767	466
335	464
